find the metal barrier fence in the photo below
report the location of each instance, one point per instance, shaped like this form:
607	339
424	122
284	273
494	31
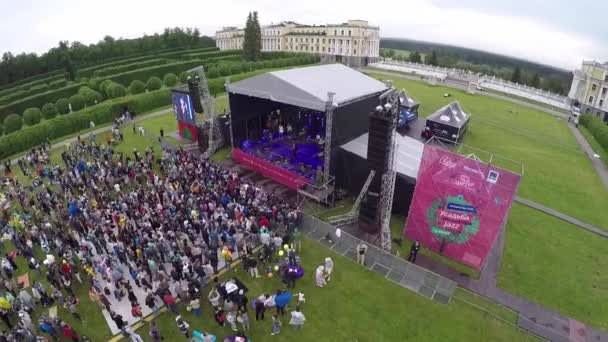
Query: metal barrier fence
391	267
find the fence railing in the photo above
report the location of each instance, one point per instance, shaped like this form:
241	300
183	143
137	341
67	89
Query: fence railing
391	267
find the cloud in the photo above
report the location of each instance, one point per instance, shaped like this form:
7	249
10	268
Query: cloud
39	25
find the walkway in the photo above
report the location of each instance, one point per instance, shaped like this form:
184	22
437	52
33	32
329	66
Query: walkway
600	168
103	129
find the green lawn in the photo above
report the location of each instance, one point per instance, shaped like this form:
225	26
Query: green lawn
557	265
358	305
597	148
88	310
557	173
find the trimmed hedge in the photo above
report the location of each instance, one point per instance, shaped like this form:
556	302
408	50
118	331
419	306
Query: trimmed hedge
167	54
31	116
63	106
597	128
127	67
159	70
137	87
170	80
206	55
12	123
117	90
77	102
39	100
154	83
76	121
31	81
49	111
37	89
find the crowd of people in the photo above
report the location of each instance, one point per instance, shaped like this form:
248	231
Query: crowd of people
160	224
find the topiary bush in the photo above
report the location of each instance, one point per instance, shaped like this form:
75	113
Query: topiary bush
103	88
49	111
31	116
94	83
117	90
213	72
224	70
137	87
12	123
63	106
170	80
183	77
77	102
154	83
236	68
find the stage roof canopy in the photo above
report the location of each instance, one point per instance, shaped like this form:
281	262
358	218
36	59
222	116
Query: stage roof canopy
407	157
451	114
308	87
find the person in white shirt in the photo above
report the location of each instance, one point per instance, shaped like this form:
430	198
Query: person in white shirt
297	319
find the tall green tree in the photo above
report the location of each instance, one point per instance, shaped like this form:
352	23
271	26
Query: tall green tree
516	76
248	40
66	60
257	33
432	60
535	82
415	57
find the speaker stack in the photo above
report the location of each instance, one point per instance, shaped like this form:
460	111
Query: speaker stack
379	144
195	94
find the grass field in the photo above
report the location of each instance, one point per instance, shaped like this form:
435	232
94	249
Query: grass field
597	148
546	260
557	173
358	305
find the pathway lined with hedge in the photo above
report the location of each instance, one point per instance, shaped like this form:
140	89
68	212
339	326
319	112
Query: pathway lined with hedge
600	168
105	129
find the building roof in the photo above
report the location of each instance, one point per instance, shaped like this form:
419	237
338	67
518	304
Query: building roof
451	114
408	153
308	87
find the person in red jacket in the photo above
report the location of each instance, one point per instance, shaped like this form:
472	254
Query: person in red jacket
170	302
68	332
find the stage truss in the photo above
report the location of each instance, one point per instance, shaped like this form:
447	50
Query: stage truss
314	198
479	154
353	215
216	138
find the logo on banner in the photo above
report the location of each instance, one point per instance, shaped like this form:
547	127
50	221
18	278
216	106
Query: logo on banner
453	220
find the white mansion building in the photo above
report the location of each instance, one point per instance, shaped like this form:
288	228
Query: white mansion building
353	43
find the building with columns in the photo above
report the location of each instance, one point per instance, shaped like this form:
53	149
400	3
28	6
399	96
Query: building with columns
590	88
353	43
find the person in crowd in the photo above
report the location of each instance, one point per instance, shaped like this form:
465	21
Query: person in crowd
154	332
297	319
413	252
329	267
276	325
320	277
183	326
361	250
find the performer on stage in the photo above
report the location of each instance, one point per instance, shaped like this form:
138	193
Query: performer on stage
294	150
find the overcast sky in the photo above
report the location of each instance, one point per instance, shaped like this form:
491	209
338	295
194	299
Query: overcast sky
550	32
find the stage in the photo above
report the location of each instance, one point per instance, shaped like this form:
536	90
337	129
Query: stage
280	121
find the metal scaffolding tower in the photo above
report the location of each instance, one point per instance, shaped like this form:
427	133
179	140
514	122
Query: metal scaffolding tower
387	190
353	215
329	114
216	139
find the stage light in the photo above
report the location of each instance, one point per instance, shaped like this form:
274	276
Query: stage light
379	109
387	107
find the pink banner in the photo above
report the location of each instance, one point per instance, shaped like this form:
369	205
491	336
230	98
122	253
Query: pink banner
269	170
459	206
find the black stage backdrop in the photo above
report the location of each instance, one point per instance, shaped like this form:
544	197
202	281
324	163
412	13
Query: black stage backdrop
351	171
349	121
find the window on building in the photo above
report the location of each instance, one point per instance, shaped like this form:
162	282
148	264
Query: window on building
323	40
606	78
590	99
601	103
354	51
323	49
342	32
349	33
604	91
587	111
593	87
317	40
317	48
306	47
355	42
335	32
307	40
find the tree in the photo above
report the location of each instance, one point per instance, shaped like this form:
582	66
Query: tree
77	102
415	57
170	80
516	76
535	81
49	111
12	123
252	43
117	90
31	116
432	60
137	87
63	106
154	83
66	60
